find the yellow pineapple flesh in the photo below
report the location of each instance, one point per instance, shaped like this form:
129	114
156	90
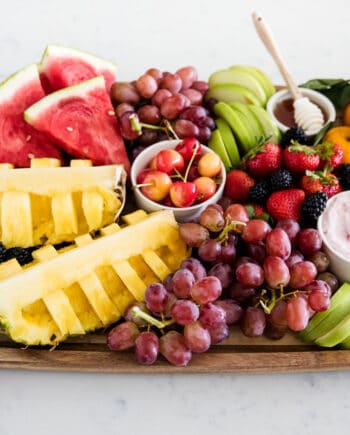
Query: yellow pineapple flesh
89	285
51	204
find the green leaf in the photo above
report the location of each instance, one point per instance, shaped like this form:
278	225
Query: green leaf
321	134
337	90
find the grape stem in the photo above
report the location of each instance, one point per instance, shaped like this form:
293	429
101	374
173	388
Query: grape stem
232	226
168	127
137	312
270	306
137	126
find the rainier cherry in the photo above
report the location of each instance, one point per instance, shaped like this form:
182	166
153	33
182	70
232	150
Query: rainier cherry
169	161
156	185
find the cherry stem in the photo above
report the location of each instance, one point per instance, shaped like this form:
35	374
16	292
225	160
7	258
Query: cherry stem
142	185
195	148
137	312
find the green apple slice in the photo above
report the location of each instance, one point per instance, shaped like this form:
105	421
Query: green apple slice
259	75
238	77
346	343
230	92
323	322
238	124
217	145
252	123
336	335
270	129
229	142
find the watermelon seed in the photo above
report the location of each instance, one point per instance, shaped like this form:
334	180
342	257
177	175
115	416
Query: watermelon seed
28	138
69	128
31	156
111	112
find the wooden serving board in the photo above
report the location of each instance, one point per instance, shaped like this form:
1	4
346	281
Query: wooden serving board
238	354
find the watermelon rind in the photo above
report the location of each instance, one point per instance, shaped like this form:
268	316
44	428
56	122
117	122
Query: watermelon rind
58	51
78	90
9	87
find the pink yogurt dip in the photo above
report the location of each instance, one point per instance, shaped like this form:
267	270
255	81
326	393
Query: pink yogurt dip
335	224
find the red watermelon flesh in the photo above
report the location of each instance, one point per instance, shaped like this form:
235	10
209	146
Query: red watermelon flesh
81	120
20	142
62	67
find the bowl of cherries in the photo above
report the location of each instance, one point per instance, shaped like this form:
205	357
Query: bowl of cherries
179	175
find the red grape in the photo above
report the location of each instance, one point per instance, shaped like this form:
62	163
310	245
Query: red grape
253	322
309	241
122	108
146	86
172	82
206	290
122	336
173	347
193	234
172	106
146	348
236	212
222	271
148	137
195	97
330	279
196	114
200	86
255	231
124	92
183	281
319	301
155	73
250	275
204	134
160	96
295	257
197	338
141	323
212	219
290	226
232	309
301	274
257	251
185	128
126	127
156	297
278	243
195	266
240	293
188	76
184	312
228	252
276	272
210	250
219	333
149	114
320	260
278	314
297	313
212	315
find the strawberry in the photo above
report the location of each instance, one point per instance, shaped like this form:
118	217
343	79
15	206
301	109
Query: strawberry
331	154
286	204
320	182
237	185
300	158
264	159
255	210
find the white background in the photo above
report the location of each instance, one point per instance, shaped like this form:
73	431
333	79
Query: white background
315	39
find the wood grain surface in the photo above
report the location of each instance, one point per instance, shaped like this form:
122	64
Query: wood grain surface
238	354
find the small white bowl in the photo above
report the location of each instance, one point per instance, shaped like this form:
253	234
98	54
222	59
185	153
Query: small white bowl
339	262
183	214
316	97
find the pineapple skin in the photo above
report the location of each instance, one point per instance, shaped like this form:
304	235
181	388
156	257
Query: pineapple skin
88	286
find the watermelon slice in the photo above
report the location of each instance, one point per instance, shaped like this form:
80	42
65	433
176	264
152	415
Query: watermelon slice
62	67
20	142
81	120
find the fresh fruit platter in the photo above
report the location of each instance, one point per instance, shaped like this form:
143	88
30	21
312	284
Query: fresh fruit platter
169	224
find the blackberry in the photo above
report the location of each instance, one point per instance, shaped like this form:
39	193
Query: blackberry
344	176
313	207
22	255
260	192
281	179
294	133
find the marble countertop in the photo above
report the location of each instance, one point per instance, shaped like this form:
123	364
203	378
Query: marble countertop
315	39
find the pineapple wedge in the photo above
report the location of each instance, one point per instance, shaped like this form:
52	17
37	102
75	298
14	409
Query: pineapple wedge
51	204
71	292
